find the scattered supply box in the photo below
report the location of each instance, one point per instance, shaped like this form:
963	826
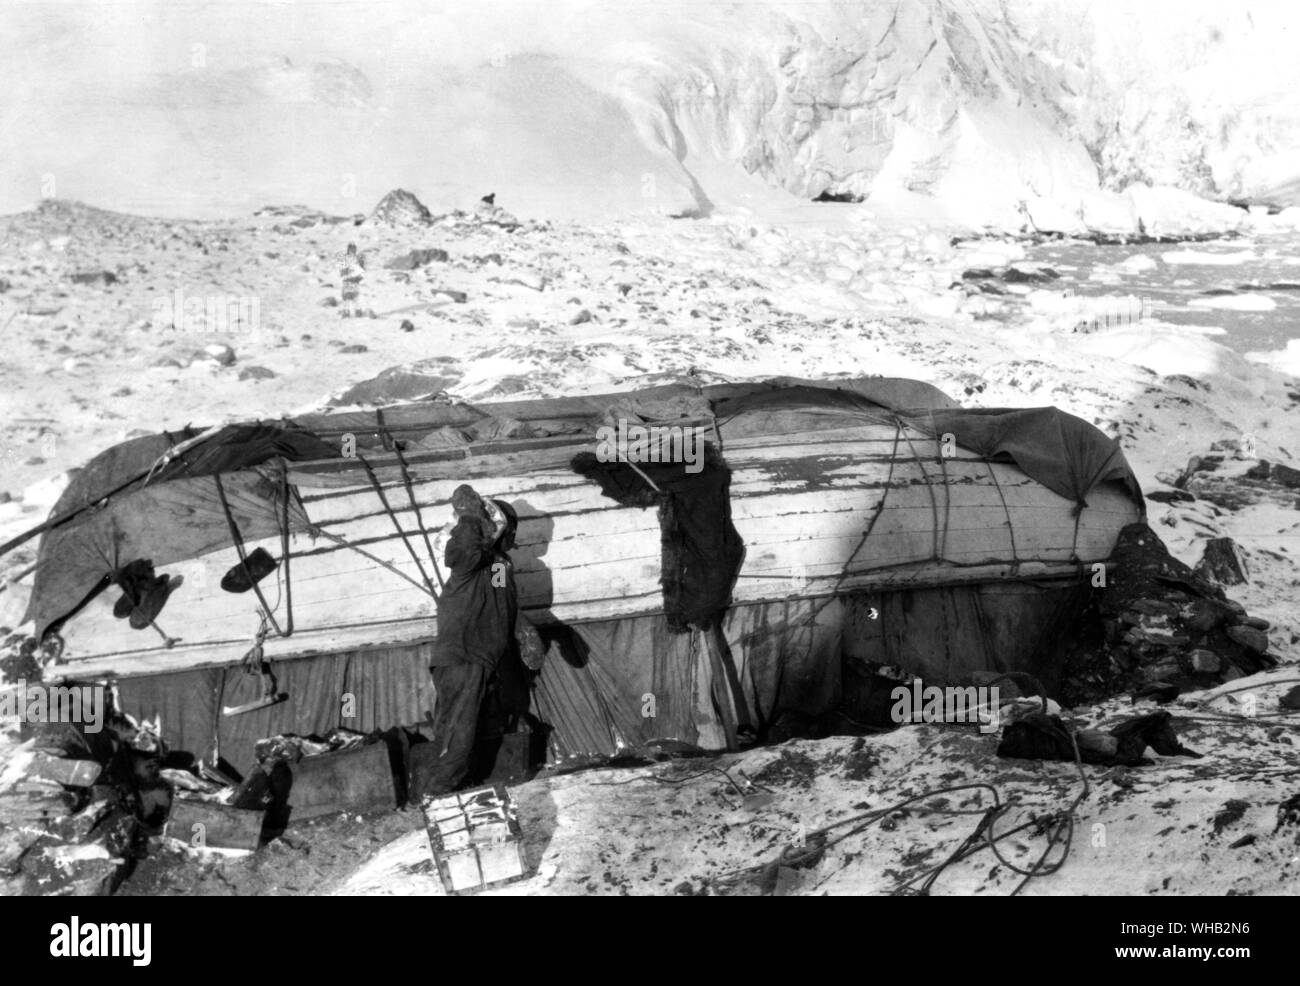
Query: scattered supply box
358	779
475	838
208	825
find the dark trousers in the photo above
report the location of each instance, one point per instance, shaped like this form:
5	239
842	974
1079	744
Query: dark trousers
461	689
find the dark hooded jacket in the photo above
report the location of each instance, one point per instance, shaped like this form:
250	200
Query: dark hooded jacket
477	606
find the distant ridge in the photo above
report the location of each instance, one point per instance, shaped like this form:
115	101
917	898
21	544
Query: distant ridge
74	209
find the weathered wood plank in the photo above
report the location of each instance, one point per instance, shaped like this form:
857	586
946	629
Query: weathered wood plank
307	644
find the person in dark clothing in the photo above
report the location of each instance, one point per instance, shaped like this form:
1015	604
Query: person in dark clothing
476	630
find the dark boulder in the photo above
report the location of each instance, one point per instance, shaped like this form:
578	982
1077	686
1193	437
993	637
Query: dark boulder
413	259
1222	563
1037	275
101	277
1287	476
393	386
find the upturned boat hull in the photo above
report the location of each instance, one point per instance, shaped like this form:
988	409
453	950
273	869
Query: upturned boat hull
840	507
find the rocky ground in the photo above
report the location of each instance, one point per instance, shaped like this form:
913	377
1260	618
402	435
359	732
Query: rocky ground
115	325
850	815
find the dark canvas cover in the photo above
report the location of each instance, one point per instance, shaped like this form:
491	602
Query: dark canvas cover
163	515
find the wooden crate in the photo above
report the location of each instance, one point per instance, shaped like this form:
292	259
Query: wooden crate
358	779
208	825
475	838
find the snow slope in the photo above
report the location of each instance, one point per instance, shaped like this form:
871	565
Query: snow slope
586	109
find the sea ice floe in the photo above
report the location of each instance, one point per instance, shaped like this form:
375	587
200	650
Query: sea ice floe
1208	258
1236	302
1053	301
939	306
1137	263
993	253
1104	275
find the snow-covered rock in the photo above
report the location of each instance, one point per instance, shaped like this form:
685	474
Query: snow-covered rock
399	208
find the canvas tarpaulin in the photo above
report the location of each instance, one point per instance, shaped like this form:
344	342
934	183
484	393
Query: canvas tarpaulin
362	690
596	689
164	523
1064	453
944	634
174	515
417	423
865	395
1060	451
594	692
624	683
127	465
619	685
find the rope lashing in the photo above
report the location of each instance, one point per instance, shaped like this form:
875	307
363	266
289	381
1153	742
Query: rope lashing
410	493
238	540
379	492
